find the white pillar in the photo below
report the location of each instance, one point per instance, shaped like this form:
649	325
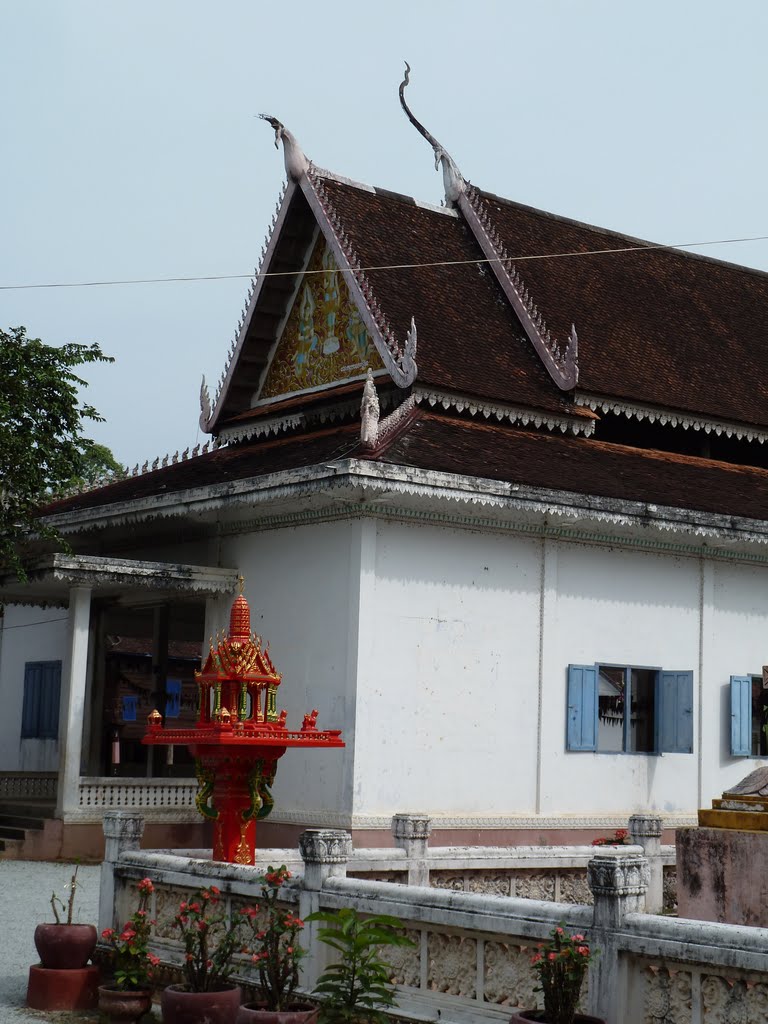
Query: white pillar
72	705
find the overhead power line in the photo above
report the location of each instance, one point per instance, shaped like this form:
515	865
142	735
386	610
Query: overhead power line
385	267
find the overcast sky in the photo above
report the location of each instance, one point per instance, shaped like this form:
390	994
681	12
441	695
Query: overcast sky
130	149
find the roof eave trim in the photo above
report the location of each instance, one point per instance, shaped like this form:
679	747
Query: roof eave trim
560	359
210	422
353	474
673	417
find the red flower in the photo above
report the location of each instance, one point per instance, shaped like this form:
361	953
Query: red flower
145	885
154	960
108	933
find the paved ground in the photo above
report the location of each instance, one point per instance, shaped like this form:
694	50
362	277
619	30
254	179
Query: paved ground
25	893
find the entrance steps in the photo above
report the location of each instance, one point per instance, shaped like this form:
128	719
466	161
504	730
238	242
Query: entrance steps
20	821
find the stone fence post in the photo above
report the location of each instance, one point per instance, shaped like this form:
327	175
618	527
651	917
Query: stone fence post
325	852
618	878
411	833
645	830
122	831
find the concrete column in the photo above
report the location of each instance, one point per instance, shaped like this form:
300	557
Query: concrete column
72	709
618	878
645	830
122	831
411	833
325	852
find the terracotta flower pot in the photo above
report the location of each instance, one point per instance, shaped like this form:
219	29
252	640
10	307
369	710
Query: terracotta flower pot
65	947
124	1006
182	1007
255	1013
526	1016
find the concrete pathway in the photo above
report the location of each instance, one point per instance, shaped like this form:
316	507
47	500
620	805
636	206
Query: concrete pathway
25	893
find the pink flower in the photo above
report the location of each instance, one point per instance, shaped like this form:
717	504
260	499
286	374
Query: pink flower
552	956
145	885
583	950
577	938
108	933
154	960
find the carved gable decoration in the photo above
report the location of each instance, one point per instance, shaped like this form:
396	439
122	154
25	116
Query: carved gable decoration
324	340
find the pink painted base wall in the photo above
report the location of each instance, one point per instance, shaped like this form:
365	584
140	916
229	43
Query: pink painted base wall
721	876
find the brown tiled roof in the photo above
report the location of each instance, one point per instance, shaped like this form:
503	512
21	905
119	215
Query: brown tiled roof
658	327
470	340
581	465
662	327
216	467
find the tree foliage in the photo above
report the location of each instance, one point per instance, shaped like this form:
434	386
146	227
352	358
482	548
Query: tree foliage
43	454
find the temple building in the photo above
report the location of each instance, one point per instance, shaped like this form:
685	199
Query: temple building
502	519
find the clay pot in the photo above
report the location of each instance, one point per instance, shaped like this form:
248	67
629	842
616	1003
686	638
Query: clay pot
255	1013
65	947
124	1006
182	1007
526	1016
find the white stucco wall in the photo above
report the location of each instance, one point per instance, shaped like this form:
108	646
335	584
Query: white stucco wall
302	585
447	697
450	679
29	634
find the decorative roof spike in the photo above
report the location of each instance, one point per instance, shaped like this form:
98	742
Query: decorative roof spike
165	461
135	470
175	457
205	405
369	413
156	463
185	454
145	467
196	451
453	180
205	448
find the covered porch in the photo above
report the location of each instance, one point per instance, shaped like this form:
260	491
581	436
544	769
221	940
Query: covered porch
130	636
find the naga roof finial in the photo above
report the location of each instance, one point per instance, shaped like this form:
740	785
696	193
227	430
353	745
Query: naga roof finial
296	164
453	179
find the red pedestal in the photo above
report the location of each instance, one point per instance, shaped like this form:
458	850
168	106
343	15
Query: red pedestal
76	989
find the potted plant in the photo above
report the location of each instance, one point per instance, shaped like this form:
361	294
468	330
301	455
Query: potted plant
129	996
65	945
358	986
276	952
210	942
560	965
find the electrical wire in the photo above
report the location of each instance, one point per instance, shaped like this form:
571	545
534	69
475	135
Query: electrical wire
385	267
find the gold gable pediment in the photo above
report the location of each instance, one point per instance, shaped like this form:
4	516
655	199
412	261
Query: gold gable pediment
324	339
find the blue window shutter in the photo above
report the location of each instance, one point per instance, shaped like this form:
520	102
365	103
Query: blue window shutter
582	708
30	712
172	698
741	716
676	712
40	710
130	704
49	701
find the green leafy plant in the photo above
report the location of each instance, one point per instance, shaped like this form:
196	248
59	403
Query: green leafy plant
43	452
358	985
131	960
274	947
561	965
210	942
70	904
